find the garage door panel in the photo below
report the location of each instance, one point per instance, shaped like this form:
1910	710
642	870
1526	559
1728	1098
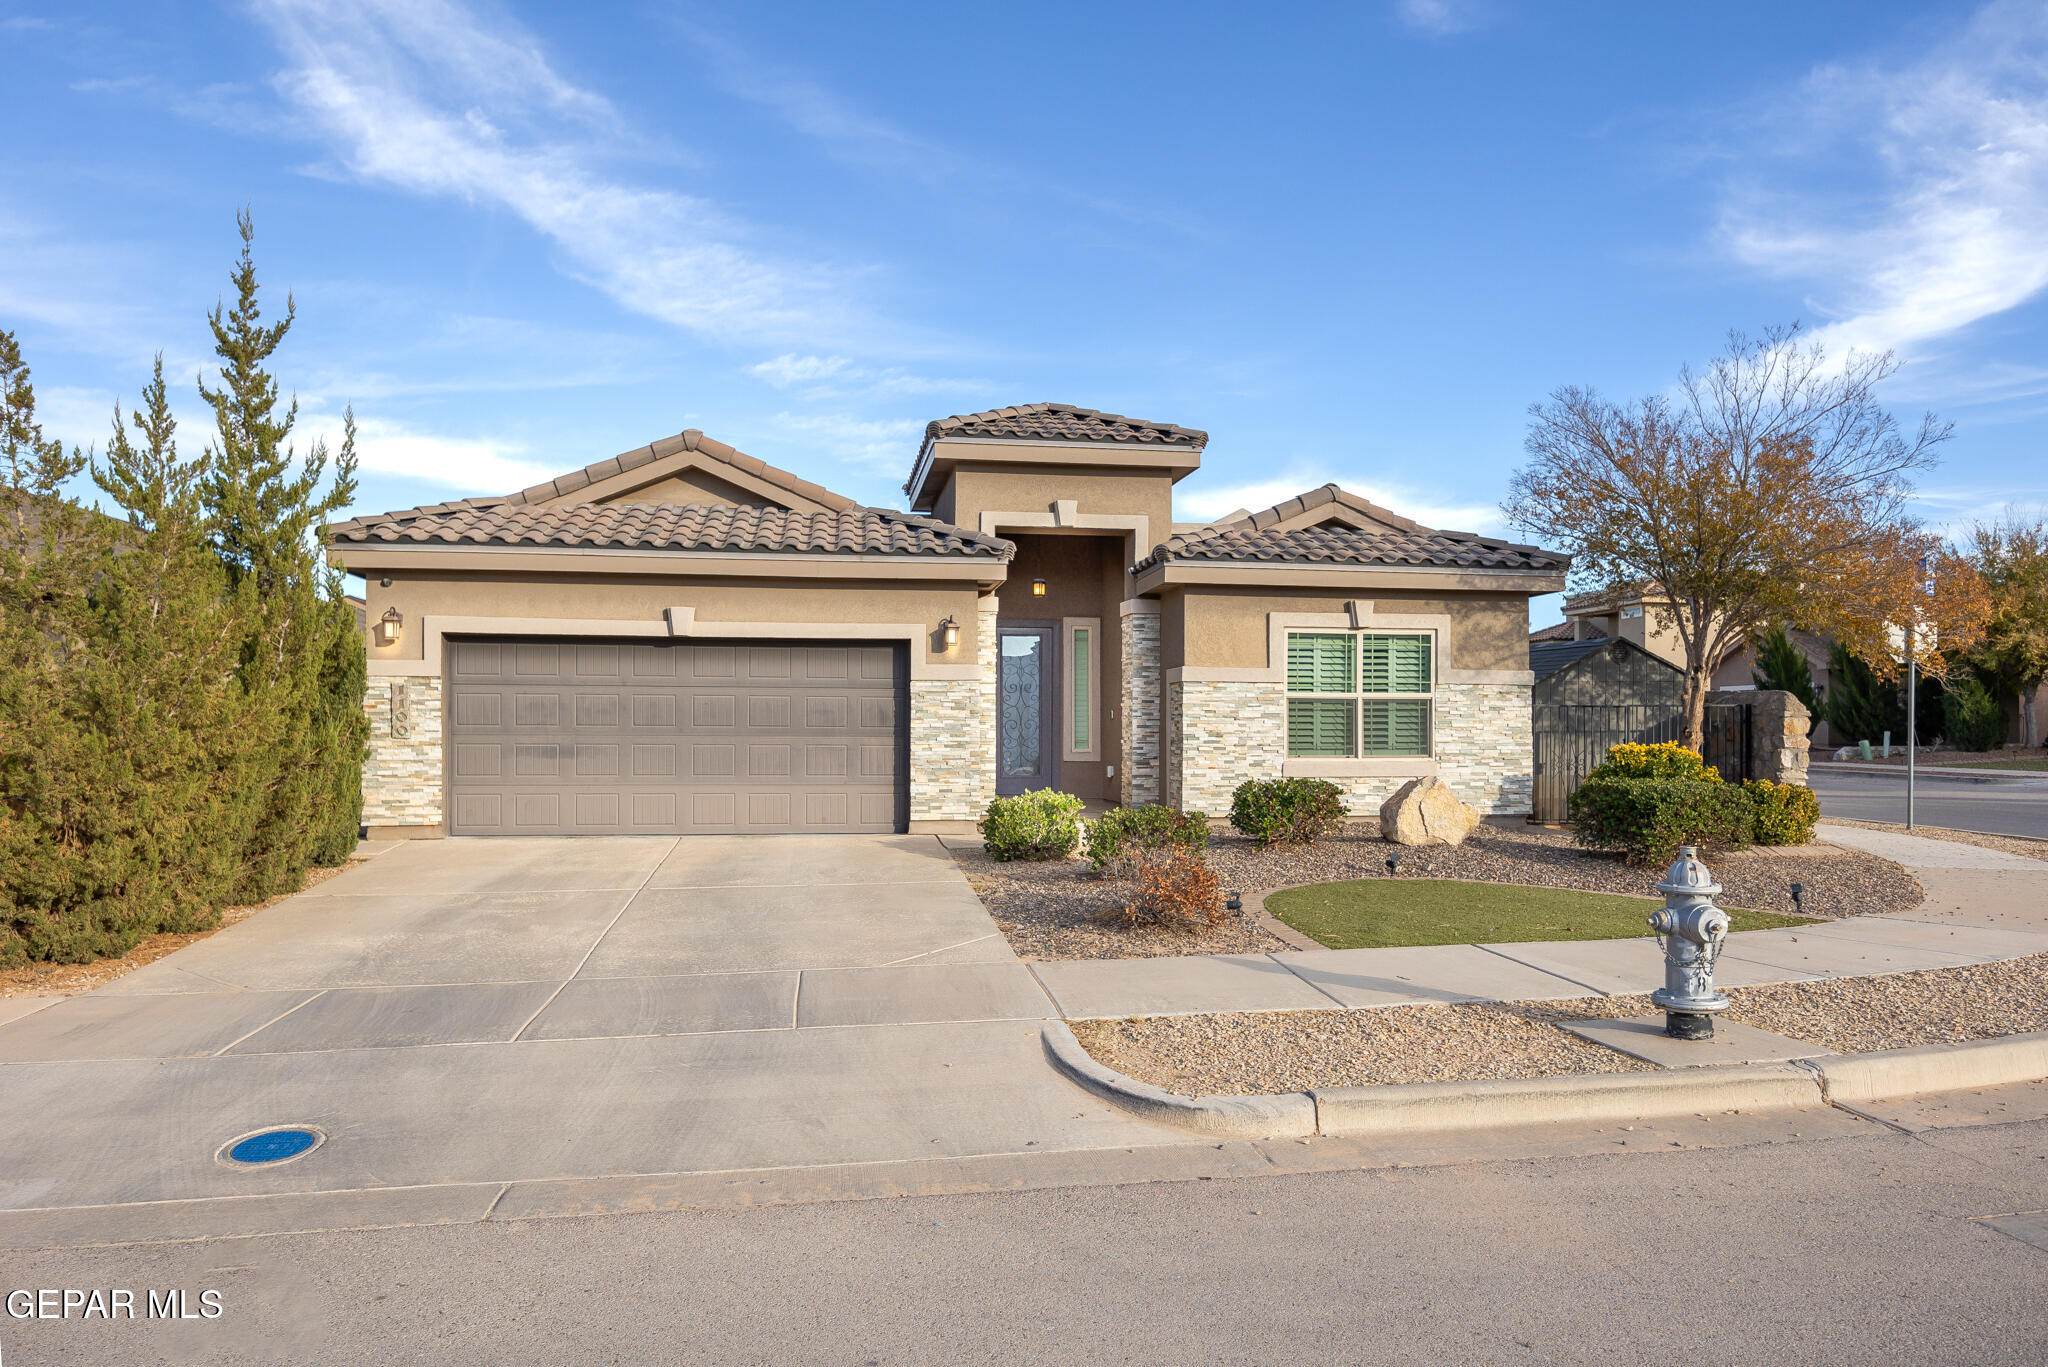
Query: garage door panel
674	737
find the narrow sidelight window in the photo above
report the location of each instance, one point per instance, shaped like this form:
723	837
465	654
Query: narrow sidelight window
1084	702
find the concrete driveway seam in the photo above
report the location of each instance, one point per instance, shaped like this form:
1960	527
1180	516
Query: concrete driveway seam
528	1024
943	949
272	1021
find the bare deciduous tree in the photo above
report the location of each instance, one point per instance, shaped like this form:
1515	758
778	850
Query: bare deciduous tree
1769	487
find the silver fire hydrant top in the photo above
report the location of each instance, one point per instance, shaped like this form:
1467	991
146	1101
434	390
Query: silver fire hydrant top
1693	930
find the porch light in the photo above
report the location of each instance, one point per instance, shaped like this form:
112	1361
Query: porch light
950	630
1038	588
389	627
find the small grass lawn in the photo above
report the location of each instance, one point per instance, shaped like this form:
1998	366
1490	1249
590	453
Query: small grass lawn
1380	913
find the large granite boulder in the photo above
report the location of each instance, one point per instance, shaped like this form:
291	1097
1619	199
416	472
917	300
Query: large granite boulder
1426	812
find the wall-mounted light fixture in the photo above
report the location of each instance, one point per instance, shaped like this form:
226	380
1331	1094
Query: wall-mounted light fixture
389	628
949	632
1038	588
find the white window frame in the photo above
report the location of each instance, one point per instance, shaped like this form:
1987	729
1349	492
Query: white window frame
1093	703
1358	697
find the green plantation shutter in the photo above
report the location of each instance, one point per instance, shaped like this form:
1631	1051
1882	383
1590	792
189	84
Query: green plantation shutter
1394	727
1320	662
1319	728
1081	698
1395	664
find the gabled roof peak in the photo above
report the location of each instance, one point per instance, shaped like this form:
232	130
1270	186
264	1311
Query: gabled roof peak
688	440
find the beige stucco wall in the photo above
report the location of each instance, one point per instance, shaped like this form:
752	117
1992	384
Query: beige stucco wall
972	491
1225	626
643	599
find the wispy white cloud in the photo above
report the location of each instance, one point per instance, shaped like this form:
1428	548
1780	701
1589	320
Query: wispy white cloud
825	379
1958	141
1439	17
789	368
466	465
884	445
425	97
1423	505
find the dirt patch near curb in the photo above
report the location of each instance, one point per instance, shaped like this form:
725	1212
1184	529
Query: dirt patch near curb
1261	1053
1057	910
68	980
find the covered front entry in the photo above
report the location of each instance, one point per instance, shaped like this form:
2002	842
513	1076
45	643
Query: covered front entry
676	737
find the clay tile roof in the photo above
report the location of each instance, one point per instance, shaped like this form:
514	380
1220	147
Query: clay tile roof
1561	631
689	440
1064	422
671	527
1390	540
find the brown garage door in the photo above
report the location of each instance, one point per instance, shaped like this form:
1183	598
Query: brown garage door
682	737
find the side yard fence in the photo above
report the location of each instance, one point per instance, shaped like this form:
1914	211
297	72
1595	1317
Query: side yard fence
1572	740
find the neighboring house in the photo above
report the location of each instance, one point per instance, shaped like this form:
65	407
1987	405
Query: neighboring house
1566	631
361	608
684	639
1738	672
1603	672
1639	615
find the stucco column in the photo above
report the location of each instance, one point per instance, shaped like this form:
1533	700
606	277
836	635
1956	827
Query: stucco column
1138	780
985	609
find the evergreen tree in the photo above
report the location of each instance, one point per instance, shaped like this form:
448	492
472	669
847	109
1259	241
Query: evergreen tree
1974	721
1861	706
1781	666
267	508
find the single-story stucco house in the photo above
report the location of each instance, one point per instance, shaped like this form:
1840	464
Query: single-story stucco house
682	639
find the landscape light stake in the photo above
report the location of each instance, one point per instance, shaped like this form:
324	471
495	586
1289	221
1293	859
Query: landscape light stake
1394	865
1799	899
1693	930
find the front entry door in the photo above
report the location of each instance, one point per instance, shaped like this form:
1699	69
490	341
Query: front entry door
1026	757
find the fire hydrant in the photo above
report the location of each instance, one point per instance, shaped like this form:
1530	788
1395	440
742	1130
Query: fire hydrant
1693	929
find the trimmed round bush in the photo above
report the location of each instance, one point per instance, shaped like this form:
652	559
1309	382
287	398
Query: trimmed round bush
1123	832
1038	825
1666	759
1782	813
1647	819
1278	811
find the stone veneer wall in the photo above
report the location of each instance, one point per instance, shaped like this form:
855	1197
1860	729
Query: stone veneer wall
1141	728
948	733
1224	733
402	776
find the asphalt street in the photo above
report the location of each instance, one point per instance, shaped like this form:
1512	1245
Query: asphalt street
1999	806
1851	1249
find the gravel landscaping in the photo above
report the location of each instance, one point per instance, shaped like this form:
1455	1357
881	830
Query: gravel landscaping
1246	1053
1060	910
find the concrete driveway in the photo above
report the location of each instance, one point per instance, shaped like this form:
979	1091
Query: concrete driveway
460	1015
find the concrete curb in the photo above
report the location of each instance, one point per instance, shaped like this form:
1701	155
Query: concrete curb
1439	1106
1938	770
1934	1068
1436	1107
1291	1115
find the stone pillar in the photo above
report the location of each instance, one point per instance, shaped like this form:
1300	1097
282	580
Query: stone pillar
1138	779
402	775
1779	724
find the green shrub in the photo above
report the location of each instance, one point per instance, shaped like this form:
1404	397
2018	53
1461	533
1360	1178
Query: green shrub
1667	759
1975	720
1122	832
1647	819
1276	811
1782	813
1038	825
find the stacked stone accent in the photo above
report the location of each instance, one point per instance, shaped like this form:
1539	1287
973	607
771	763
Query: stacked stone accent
948	735
1778	727
1220	734
402	776
1226	733
1138	782
1486	745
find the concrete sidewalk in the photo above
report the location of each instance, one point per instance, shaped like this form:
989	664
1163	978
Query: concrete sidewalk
1982	905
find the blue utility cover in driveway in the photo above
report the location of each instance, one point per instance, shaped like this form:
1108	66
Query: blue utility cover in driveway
273	1146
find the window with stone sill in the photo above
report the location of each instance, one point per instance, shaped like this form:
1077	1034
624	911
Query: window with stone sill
1359	694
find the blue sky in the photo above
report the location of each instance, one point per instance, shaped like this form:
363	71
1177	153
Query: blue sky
1352	242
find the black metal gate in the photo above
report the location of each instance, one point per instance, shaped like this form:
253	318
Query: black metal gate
1572	740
